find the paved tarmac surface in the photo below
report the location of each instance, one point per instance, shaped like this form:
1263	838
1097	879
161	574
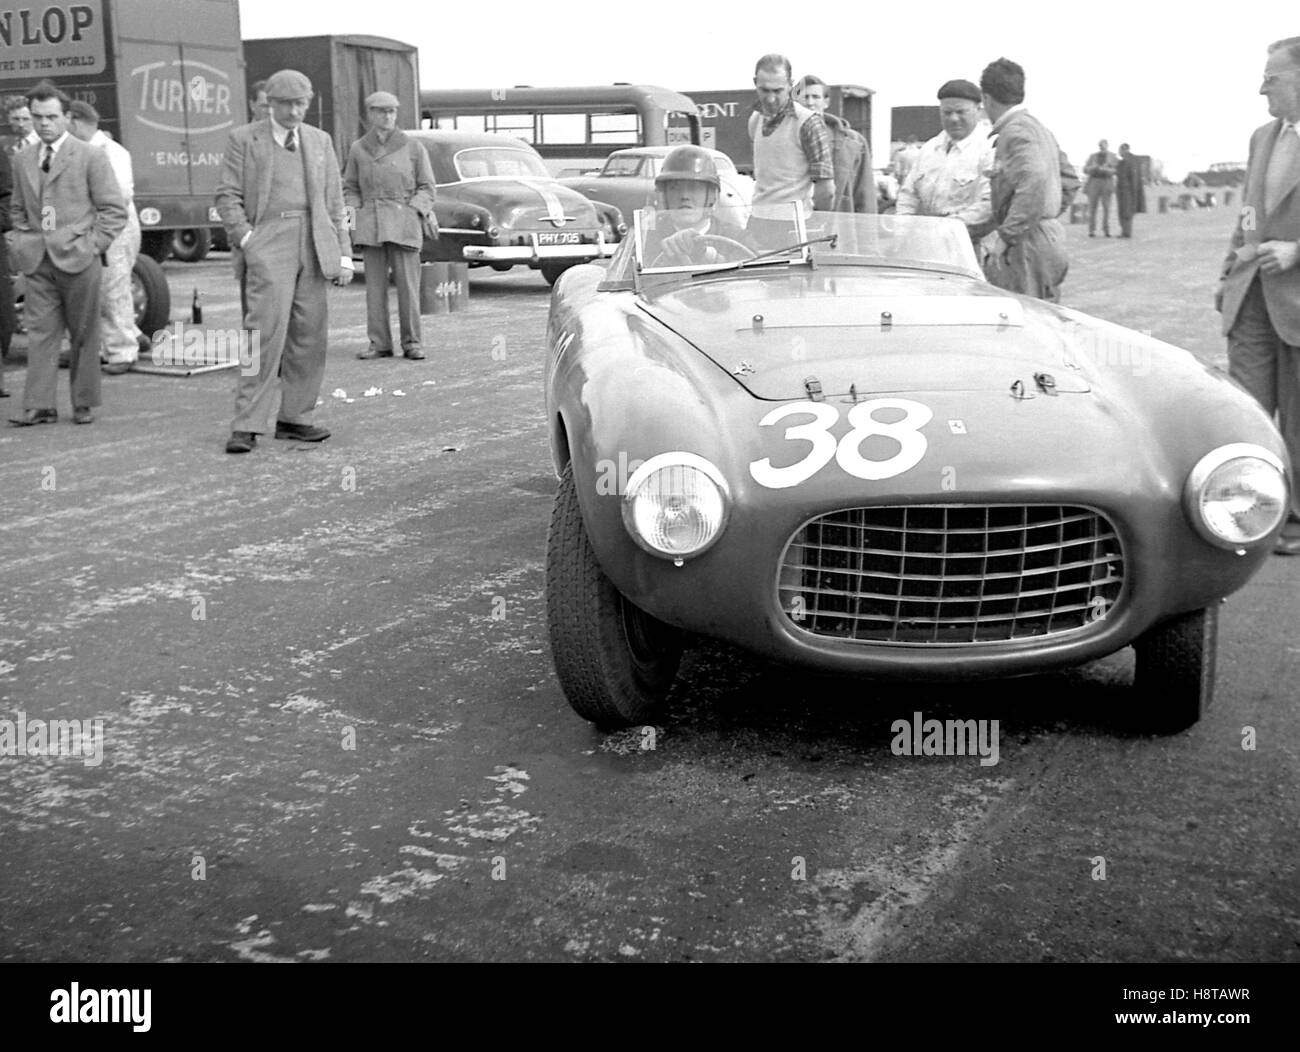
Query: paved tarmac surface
332	731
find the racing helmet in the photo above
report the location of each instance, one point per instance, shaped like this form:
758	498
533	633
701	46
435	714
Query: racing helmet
689	164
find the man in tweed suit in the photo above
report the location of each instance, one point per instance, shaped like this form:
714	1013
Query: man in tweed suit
1259	293
66	211
281	201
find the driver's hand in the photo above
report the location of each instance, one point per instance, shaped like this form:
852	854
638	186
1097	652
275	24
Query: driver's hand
682	247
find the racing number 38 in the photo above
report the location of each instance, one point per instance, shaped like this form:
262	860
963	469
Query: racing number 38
863	424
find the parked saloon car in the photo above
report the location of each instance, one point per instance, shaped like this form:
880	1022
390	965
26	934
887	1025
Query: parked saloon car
628	180
498	206
858	456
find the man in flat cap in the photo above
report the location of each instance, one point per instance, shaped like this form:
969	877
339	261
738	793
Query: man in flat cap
281	201
950	176
121	336
1025	252
388	188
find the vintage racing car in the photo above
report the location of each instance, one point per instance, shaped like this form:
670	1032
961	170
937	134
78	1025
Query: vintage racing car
628	180
841	448
498	206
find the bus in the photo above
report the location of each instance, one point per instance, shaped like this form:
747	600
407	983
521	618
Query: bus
574	129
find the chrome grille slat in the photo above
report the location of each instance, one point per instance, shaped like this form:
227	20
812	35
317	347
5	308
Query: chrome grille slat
949	574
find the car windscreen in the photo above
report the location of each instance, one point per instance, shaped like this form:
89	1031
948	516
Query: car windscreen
623	166
482	162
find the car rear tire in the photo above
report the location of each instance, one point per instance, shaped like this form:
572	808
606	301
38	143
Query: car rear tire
1175	670
615	663
552	271
156	244
151	295
191	245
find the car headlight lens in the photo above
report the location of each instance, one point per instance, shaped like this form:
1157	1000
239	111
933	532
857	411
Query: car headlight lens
1237	495
676	505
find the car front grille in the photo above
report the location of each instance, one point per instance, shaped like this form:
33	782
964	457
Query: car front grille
951	574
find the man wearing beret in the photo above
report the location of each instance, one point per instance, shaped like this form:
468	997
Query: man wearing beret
950	177
281	201
1026	250
388	187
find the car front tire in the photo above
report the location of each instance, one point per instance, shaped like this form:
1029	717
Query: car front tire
1175	670
615	663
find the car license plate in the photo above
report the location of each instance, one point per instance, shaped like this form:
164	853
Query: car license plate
558	238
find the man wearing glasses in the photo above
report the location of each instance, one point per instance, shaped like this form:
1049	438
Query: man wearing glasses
1259	290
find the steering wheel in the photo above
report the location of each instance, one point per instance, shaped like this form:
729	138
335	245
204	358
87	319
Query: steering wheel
723	244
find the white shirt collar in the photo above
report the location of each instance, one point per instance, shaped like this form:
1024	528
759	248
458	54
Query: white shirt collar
280	133
56	145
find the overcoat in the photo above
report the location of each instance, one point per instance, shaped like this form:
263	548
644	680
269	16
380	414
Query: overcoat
391	187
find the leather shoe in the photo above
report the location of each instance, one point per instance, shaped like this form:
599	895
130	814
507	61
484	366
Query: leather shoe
301	432
1287	546
82	415
241	442
36	416
413	353
115	368
373	353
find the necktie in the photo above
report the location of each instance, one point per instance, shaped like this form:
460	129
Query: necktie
1283	168
288	142
49	156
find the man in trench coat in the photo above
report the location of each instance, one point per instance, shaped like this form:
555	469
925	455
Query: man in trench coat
388	185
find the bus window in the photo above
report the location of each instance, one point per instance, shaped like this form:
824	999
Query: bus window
615	129
518	125
563	129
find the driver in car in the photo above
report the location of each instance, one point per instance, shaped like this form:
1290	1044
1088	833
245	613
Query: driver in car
686	230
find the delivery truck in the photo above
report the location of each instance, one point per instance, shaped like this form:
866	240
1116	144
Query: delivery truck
343	70
168	82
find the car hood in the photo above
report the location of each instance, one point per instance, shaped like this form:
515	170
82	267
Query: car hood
523	202
872	332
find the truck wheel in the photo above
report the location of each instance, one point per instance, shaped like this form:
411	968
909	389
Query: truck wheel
1174	677
151	294
156	244
552	271
191	245
615	663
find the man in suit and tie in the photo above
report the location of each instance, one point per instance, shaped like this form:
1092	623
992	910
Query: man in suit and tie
1026	250
66	211
1259	290
281	200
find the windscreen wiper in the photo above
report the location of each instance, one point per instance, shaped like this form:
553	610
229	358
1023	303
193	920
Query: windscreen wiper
767	256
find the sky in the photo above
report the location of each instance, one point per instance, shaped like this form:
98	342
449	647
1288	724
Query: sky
1178	82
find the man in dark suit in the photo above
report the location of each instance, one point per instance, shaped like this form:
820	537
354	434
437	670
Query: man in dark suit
66	211
281	201
1259	290
1026	250
1130	195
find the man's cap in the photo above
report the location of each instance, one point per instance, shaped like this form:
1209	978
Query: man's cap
381	100
288	84
83	111
961	89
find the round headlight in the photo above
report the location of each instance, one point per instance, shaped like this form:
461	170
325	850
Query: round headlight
1237	495
676	505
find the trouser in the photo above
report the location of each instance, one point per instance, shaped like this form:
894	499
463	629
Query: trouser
8	315
121	335
288	321
1125	206
56	301
405	264
1269	368
1099	190
1035	265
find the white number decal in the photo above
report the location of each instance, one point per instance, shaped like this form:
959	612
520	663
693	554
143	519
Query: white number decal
847	452
906	432
817	432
